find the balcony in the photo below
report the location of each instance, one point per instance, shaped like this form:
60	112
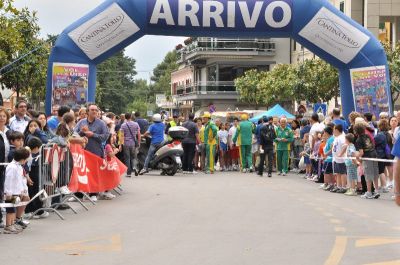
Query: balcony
202	48
207	90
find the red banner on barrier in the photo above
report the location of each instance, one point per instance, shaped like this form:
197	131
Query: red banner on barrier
92	173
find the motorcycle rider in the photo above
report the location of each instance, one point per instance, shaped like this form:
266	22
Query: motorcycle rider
156	132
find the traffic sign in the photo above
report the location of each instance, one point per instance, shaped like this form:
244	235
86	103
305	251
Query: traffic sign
321	108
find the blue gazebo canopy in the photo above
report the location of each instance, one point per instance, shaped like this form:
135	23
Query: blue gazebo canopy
276	111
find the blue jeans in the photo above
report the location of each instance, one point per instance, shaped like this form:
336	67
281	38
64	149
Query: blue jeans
130	157
150	155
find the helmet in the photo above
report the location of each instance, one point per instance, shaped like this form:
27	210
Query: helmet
207	115
157	118
244	117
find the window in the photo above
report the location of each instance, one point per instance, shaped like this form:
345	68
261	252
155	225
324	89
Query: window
341	7
212	73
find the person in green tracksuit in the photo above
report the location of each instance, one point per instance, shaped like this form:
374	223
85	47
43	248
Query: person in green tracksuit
284	137
243	137
210	142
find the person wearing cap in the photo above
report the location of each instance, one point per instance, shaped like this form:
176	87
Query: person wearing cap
267	137
210	142
156	131
174	122
244	138
284	138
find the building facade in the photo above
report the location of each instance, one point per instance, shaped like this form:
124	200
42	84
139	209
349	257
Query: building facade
381	17
209	66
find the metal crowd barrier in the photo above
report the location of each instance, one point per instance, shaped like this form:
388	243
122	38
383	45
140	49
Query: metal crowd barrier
55	167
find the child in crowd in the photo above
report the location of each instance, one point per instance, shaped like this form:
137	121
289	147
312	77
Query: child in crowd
234	149
339	166
33	168
110	152
16	141
306	154
351	164
65	133
33	130
16	189
223	146
329	181
321	160
314	158
228	158
110	149
366	149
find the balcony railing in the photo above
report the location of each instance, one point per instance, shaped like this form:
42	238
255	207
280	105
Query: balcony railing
207	88
264	46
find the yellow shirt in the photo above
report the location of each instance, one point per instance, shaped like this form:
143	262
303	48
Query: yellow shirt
201	134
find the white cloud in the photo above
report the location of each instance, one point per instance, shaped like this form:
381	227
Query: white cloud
54	16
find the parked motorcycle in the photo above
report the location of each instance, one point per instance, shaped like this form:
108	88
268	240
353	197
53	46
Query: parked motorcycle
167	157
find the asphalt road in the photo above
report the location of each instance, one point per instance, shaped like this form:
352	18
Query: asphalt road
222	219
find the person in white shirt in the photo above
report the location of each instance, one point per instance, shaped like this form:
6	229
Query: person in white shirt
15	189
223	147
316	127
233	149
339	166
20	120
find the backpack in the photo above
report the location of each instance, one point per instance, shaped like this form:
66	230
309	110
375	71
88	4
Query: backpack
267	134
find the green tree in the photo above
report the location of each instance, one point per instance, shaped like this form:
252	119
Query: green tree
116	85
249	88
138	105
141	90
162	75
281	81
7	6
23	55
393	57
313	81
318	81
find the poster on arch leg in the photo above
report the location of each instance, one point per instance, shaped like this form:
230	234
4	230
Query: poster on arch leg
70	84
369	89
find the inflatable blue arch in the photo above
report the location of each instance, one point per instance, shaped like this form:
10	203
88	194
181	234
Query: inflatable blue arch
316	24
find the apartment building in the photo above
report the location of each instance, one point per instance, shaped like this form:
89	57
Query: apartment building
209	66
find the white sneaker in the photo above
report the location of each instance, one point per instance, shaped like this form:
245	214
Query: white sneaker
72	199
389	185
93	198
28	216
383	190
323	186
64	190
108	195
43	215
194	172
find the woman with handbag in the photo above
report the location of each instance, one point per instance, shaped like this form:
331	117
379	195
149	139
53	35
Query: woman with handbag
130	136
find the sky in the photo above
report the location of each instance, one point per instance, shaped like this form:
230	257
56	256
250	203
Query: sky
54	16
